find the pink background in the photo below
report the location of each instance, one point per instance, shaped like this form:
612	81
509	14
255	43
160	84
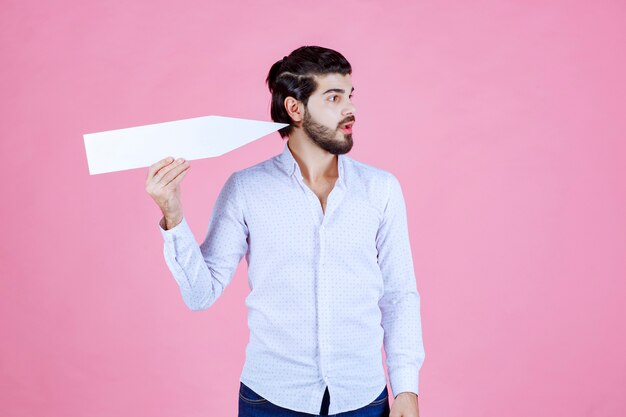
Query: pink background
504	122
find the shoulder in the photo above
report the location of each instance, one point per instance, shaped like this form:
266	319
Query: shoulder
371	175
257	174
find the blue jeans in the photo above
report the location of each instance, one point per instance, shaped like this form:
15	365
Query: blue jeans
252	404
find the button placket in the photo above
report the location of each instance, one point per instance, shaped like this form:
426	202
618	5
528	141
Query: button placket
321	311
324	312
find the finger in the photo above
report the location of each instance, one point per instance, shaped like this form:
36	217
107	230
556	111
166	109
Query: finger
164	171
158	165
176	180
172	173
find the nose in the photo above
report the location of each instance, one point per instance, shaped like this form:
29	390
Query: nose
350	110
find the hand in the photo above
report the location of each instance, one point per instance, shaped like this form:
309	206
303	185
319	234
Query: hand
162	183
405	405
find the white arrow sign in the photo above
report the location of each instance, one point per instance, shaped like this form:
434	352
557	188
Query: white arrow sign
195	138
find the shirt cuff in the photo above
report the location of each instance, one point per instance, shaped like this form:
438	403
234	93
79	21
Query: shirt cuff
404	380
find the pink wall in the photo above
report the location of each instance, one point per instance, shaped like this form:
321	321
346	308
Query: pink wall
503	120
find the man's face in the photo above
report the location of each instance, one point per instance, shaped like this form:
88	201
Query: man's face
329	114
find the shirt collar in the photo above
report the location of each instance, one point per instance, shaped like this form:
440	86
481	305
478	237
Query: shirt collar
290	165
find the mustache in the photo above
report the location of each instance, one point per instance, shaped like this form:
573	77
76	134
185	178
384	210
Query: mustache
348	120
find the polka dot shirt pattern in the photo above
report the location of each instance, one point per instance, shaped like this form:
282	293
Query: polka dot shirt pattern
327	290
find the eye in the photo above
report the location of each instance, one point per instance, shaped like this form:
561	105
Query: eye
332	97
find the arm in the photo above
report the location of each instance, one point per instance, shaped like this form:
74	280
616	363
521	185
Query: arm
400	304
203	271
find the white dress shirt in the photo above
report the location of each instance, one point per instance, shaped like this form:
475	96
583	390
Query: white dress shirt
327	290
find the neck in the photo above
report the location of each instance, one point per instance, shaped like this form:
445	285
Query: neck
315	163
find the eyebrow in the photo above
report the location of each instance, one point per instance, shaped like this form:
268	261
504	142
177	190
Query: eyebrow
337	90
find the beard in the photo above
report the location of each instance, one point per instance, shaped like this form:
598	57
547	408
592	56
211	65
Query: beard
326	138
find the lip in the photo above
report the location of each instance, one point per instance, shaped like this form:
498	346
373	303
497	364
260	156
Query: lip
347	128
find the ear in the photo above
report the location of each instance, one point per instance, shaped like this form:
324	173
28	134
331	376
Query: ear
294	109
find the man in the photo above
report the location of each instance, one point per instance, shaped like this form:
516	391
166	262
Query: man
329	259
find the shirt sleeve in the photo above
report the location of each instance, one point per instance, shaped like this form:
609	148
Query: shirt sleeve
203	271
400	304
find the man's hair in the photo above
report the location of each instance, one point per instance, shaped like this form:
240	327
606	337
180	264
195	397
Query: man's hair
293	76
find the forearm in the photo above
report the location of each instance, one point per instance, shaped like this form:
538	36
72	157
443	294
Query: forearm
186	263
403	341
169	221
